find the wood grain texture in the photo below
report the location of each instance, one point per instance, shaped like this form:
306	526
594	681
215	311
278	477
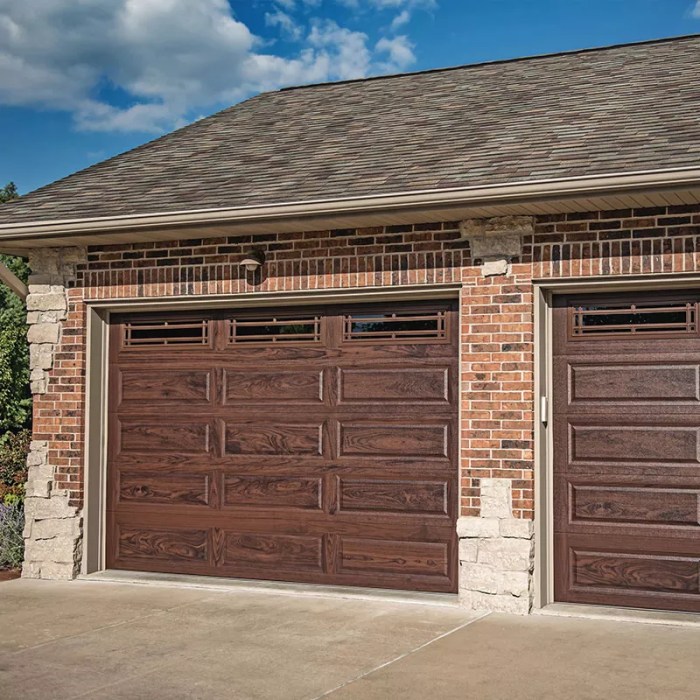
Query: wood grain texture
278	386
420	497
312	462
273	491
152	487
367	439
626	465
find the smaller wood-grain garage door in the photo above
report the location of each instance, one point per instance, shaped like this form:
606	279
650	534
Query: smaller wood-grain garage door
313	444
627	450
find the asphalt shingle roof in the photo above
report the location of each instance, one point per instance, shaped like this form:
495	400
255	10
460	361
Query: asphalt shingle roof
617	109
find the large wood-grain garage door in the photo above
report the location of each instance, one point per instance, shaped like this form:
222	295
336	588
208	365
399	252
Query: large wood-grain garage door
627	450
313	444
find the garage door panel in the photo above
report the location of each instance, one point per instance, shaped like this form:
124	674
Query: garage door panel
392	557
150	435
650	443
269	551
597	506
645	383
144	487
418	385
383	439
259	455
274	439
277	492
630	571
627	454
246	386
139	386
400	496
167	544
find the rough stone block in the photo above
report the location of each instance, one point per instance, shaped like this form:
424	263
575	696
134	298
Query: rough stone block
478	577
56	549
496	498
47	302
468	549
515	583
517	528
41	356
44	333
55	507
506	554
477	527
499	603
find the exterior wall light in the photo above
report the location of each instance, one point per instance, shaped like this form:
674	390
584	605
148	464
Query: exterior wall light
253	260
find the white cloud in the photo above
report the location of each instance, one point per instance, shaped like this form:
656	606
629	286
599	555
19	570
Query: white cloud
404	17
167	59
696	10
285	23
399	53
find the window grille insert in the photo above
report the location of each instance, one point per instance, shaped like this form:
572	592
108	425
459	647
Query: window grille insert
395	326
634	319
175	332
275	330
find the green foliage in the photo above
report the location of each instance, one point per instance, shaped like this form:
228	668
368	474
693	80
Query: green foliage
15	397
11	540
8	192
14	448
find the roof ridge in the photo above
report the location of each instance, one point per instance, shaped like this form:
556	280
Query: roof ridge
517	59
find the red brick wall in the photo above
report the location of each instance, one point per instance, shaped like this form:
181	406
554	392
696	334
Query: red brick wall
496	325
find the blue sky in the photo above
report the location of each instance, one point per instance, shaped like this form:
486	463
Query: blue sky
82	80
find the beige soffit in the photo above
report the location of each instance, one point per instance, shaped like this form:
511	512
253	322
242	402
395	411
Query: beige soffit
527	193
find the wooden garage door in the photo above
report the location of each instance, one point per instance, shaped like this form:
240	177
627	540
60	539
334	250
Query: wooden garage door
627	450
312	444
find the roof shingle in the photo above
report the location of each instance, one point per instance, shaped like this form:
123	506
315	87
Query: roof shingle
619	109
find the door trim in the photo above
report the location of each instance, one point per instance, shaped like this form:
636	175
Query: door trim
97	365
544	291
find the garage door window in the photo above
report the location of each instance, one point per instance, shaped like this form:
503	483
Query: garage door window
275	330
395	326
633	319
175	332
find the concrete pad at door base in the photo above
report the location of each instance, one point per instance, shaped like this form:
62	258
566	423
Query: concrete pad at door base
105	640
533	658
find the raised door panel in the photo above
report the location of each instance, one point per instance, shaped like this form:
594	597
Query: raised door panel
298	439
147	488
391	557
393	497
407	441
268	551
146	435
141	386
402	385
272	386
276	492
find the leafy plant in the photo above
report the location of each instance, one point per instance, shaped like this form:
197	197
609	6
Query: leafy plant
14	448
11	541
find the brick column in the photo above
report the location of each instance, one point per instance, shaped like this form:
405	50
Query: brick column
53	530
496	548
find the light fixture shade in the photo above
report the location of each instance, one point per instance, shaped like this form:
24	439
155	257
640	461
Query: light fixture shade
253	260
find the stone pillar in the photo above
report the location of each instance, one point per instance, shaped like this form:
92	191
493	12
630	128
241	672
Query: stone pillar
53	530
496	554
496	550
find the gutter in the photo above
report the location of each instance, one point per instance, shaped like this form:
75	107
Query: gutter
533	190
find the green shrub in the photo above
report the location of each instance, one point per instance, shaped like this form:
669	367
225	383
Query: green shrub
11	541
14	448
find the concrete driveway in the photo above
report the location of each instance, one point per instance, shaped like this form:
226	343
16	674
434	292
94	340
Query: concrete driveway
104	640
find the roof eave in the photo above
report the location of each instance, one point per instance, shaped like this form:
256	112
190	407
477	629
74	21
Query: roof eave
491	195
